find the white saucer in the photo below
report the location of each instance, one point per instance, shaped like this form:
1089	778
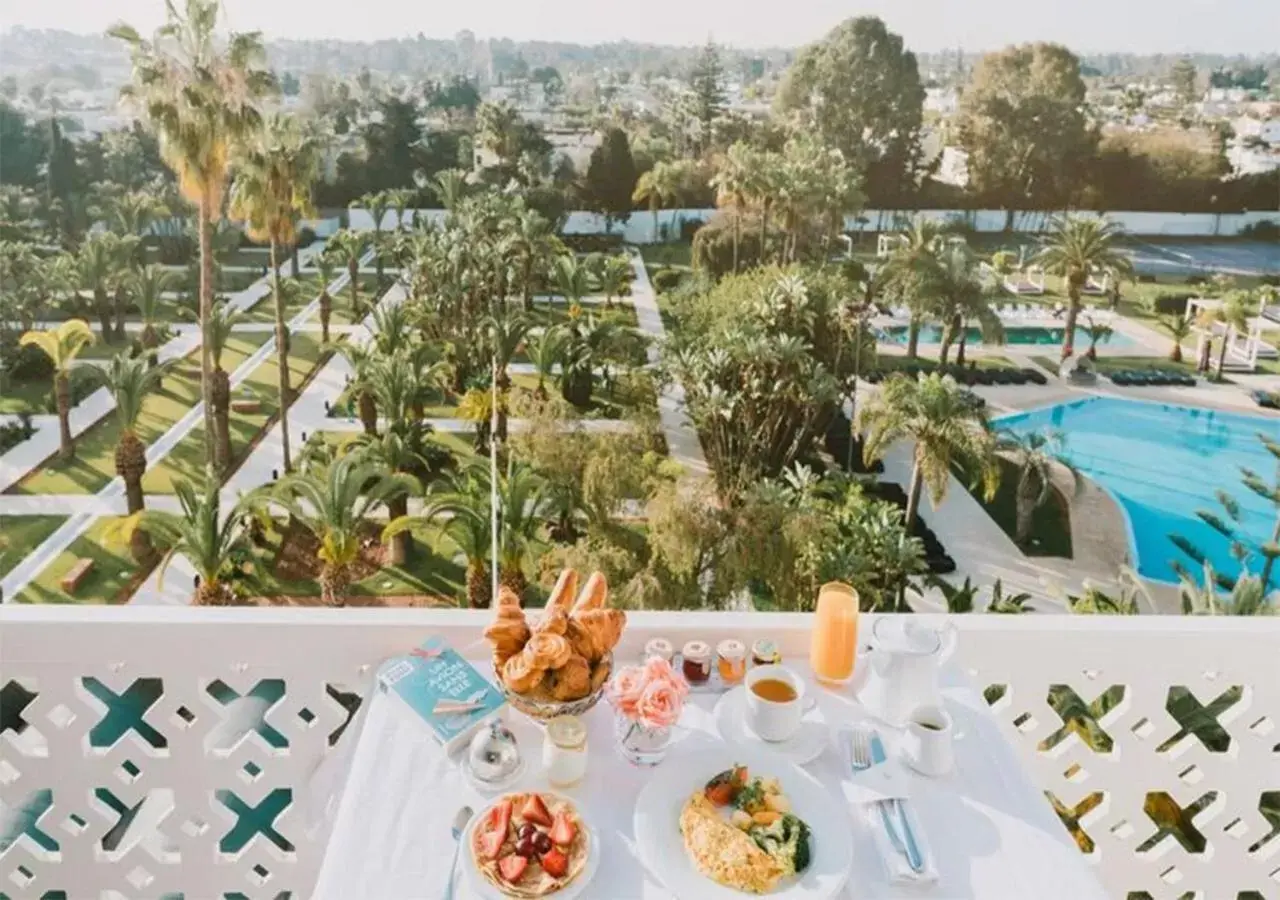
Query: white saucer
802	748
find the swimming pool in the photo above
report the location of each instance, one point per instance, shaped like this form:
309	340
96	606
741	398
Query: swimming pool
1162	463
1013	334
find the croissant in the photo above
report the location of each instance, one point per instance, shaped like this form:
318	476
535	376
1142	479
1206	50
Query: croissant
508	632
521	673
548	651
562	594
572	681
595	632
594	594
554	621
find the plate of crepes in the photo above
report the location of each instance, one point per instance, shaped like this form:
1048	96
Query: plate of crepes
558	662
530	845
722	824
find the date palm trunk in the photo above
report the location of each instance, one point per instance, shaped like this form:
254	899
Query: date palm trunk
401	544
131	465
293	261
513	577
326	313
353	275
204	223
948	338
282	356
964	333
1026	506
102	304
913	498
62	396
221	392
478	590
367	408
120	312
1073	313
913	338
333	584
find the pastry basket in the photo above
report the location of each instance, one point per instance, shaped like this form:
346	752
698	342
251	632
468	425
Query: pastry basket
547	709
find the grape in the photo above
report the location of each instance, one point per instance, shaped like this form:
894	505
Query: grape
542	843
526	847
527	830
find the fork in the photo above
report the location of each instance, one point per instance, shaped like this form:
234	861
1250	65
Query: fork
860	744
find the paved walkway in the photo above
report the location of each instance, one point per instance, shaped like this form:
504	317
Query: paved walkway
683	444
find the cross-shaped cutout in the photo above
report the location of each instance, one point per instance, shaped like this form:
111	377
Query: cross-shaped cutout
264	695
1082	719
14	699
1071	817
126	712
252	821
1174	821
1269	806
1200	720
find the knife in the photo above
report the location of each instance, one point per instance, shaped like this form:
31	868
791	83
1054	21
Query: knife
907	843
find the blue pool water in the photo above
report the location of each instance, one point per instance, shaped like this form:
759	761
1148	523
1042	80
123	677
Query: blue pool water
1023	335
1162	463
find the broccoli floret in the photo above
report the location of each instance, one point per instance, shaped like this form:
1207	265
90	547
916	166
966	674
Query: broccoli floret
786	839
798	842
751	797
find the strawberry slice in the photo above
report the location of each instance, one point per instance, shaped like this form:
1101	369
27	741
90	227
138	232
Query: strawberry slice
499	818
562	831
554	863
535	810
491	843
512	867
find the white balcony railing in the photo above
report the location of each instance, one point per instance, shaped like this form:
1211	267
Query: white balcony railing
218	717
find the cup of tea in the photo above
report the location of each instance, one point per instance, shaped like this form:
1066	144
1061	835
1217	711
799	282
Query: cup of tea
775	702
927	741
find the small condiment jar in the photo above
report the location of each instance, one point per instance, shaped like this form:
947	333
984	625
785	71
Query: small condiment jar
564	751
764	652
696	662
731	661
659	647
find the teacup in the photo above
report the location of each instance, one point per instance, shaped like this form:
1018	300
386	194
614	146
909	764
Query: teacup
927	741
774	702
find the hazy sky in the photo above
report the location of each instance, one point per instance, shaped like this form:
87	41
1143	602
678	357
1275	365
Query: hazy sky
1226	26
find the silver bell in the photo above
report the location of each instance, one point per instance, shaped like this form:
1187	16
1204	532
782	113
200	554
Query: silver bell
493	754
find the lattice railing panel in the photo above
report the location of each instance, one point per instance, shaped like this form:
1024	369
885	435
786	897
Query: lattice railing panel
1154	746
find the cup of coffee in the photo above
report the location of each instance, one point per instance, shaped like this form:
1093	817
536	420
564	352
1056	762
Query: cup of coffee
775	702
927	741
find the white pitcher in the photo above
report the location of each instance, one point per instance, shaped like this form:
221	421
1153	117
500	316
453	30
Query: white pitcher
906	655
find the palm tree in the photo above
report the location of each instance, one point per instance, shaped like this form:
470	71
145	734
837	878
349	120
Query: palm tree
1130	596
660	186
1076	249
212	544
222	321
1179	329
199	94
615	278
348	247
450	186
945	425
100	261
271	195
1231	314
521	495
459	509
62	345
335	504
1036	454
534	240
400	199
130	380
545	352
361	358
506	333
399	449
581	353
959	298
1008	604
731	183
326	266
910	271
378	203
133	212
1247	597
1097	331
571	278
149	287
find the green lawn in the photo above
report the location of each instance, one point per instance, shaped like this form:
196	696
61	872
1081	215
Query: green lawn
187	460
1050	523
19	535
622	313
342	313
112	580
94	463
892	362
35	397
676	255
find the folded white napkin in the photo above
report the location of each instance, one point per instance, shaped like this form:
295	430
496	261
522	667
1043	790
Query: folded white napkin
871	790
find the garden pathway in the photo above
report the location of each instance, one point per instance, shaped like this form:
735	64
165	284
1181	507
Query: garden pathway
683	444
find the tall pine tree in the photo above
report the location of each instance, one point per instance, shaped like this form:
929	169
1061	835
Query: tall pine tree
706	81
611	177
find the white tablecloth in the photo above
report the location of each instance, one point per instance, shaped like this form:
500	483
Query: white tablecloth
992	832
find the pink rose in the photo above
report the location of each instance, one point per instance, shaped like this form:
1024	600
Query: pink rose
659	705
625	690
657	669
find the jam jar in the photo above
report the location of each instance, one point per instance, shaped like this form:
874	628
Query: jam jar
696	662
659	647
764	652
731	661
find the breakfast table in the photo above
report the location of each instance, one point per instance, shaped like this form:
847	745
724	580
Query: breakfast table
389	796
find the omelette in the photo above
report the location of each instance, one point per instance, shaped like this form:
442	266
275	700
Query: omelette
724	853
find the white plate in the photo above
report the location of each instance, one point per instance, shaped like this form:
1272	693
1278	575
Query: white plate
802	748
661	849
487	891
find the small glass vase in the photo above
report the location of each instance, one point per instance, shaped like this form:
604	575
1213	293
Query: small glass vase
639	744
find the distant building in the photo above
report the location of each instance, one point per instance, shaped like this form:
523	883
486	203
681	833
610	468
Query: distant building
954	167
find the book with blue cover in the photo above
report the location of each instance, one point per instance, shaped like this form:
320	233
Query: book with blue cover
444	689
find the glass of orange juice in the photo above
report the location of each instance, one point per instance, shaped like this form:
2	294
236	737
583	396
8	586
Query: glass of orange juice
835	633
